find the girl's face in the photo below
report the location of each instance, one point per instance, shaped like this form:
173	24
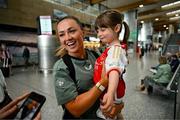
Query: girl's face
106	35
70	35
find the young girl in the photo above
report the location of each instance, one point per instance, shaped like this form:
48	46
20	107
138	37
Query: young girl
108	26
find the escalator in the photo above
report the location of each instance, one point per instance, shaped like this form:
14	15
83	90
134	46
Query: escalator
171	45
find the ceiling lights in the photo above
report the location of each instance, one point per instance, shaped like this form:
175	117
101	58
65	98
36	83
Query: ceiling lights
173	12
174	18
170	4
141	5
142	22
156	19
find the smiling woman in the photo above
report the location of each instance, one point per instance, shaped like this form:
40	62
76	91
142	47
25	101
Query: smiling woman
78	95
71	38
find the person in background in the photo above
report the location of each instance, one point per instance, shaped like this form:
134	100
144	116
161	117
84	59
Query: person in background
162	77
7	61
160	49
78	96
9	107
26	56
108	26
174	63
1	57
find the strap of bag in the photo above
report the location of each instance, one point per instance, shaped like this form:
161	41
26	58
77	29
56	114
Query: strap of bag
67	60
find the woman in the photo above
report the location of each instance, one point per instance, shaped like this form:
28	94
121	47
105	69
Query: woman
79	97
162	77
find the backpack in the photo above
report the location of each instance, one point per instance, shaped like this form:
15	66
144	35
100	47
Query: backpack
68	62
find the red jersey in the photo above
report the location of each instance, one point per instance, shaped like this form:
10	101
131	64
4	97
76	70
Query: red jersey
115	59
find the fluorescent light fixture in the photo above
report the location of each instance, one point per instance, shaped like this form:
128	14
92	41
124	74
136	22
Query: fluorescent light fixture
170	4
174	18
141	6
94	39
173	12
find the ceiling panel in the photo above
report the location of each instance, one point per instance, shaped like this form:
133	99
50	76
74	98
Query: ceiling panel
118	3
151	10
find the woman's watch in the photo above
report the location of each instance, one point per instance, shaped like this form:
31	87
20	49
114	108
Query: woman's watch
100	87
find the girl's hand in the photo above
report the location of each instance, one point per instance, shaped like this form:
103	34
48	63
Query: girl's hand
116	109
107	102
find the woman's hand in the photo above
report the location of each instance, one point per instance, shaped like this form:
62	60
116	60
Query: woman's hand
104	79
116	108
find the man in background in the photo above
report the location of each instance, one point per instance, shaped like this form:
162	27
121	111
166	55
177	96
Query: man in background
26	55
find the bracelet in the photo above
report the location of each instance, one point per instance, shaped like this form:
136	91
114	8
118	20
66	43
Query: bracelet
100	87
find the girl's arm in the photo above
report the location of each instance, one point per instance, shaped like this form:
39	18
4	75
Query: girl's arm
108	99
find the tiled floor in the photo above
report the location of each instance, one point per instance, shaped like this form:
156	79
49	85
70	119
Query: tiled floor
138	106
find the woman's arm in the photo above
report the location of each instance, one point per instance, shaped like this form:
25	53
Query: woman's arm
85	100
158	74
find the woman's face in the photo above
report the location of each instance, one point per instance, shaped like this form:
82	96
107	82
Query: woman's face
70	35
106	35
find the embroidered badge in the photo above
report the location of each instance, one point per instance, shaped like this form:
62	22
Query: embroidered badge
61	83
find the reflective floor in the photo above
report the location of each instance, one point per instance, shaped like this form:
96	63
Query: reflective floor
138	106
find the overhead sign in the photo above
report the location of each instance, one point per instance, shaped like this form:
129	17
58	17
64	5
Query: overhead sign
45	25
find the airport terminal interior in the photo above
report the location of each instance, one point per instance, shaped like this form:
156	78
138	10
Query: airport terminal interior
138	106
154	27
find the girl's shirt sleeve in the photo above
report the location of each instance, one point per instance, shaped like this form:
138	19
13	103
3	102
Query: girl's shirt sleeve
116	59
65	88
